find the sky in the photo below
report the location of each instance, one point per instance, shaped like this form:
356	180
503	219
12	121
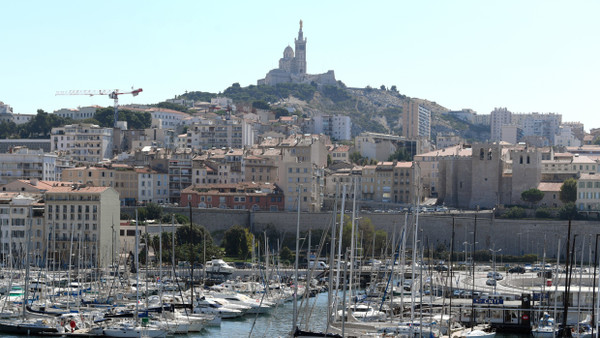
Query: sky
528	56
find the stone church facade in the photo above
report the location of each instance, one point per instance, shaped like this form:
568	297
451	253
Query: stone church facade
292	67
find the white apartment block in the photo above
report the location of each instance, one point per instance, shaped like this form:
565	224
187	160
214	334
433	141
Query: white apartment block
220	132
376	146
83	221
166	118
566	137
338	127
499	117
20	215
26	164
22	118
80	113
84	143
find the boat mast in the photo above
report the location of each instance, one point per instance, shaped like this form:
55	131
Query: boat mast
331	258
26	295
295	314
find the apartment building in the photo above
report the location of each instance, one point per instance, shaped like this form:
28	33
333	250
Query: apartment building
338	127
261	196
588	192
499	117
219	132
22	231
260	169
83	143
124	179
22	163
82	223
180	172
416	120
301	171
80	113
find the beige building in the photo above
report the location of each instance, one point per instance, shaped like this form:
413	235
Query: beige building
123	178
260	169
301	171
82	221
428	164
588	192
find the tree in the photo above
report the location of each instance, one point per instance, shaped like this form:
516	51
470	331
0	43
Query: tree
568	211
189	244
135	120
514	213
173	106
532	196
153	211
394	89
329	160
286	255
400	155
568	191
237	242
382	87
260	104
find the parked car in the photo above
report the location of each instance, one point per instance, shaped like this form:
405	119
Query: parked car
490	282
495	275
516	269
440	268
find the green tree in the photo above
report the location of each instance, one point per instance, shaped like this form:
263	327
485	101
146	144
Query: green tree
173	106
514	213
568	191
190	244
237	242
135	120
153	211
286	255
260	104
329	160
400	155
568	211
382	87
532	196
394	89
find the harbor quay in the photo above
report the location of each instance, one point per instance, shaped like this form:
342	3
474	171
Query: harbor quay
514	237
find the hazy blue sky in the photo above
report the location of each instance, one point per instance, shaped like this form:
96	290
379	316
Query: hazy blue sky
528	56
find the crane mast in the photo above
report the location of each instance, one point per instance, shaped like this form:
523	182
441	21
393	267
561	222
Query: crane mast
113	94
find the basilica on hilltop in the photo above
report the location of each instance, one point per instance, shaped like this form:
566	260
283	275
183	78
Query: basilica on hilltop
292	67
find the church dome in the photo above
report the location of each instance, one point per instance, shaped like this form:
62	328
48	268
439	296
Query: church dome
288	52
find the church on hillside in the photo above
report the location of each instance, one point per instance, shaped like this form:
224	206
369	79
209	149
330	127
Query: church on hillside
292	67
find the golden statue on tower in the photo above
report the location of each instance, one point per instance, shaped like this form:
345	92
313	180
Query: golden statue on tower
300	24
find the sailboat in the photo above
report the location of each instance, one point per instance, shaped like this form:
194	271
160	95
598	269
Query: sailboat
131	328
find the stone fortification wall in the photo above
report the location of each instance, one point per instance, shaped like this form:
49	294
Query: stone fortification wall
512	236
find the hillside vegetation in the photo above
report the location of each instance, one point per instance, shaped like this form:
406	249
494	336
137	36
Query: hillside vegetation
374	110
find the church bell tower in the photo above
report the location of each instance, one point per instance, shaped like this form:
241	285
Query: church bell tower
300	59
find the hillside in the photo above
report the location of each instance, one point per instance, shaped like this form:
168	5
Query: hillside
370	109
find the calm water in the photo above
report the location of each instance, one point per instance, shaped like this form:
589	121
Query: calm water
276	324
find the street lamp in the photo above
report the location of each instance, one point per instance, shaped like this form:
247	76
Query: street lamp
494	252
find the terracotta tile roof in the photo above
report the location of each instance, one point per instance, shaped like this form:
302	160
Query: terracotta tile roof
404	165
75	190
549	186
